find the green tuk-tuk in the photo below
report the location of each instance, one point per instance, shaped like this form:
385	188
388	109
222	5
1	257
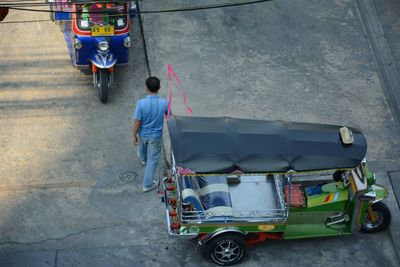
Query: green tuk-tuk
236	182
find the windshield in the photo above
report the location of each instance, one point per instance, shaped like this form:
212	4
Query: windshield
91	14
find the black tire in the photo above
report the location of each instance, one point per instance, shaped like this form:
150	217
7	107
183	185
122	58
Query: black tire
104	78
86	71
225	249
383	221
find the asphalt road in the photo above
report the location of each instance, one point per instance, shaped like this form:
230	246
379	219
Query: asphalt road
70	182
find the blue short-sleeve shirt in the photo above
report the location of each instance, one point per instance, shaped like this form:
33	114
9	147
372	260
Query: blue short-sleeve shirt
150	112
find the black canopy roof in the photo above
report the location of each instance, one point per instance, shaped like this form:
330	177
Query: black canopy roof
223	145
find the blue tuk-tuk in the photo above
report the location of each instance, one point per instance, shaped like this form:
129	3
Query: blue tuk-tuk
97	36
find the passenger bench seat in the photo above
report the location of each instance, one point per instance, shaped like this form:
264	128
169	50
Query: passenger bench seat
211	192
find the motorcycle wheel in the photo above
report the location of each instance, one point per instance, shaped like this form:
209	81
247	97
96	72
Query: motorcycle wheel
382	222
104	78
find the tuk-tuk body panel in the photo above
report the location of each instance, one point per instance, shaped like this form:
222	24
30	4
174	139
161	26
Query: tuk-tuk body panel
88	49
312	222
357	209
335	206
82	57
255	228
118	49
326	199
361	215
298	231
311	217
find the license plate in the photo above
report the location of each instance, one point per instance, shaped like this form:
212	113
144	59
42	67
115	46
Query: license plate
102	30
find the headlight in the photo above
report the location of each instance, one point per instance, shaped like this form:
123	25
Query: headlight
103	46
77	44
127	42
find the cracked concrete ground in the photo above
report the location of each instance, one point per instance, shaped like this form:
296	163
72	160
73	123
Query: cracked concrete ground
388	11
70	181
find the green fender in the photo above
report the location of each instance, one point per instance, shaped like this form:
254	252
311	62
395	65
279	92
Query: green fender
380	191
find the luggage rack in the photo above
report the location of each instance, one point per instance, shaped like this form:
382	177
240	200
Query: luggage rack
267	205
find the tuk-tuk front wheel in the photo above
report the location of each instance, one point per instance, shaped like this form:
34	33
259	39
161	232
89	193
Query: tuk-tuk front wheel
104	81
378	221
225	249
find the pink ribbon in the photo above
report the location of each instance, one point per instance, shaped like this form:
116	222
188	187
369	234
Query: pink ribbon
171	73
188	109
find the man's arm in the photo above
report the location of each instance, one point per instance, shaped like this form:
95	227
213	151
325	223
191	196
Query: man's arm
136	127
137	123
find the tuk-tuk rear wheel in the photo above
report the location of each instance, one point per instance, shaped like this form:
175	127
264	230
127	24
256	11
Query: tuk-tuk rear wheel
381	220
225	249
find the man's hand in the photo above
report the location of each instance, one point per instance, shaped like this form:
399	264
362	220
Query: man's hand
136	127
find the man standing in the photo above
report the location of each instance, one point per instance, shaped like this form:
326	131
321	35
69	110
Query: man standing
147	130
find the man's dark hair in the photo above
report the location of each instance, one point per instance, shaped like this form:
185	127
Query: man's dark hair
153	84
338	176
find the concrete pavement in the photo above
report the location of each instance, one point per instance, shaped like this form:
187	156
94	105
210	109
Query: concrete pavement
381	52
388	11
70	182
